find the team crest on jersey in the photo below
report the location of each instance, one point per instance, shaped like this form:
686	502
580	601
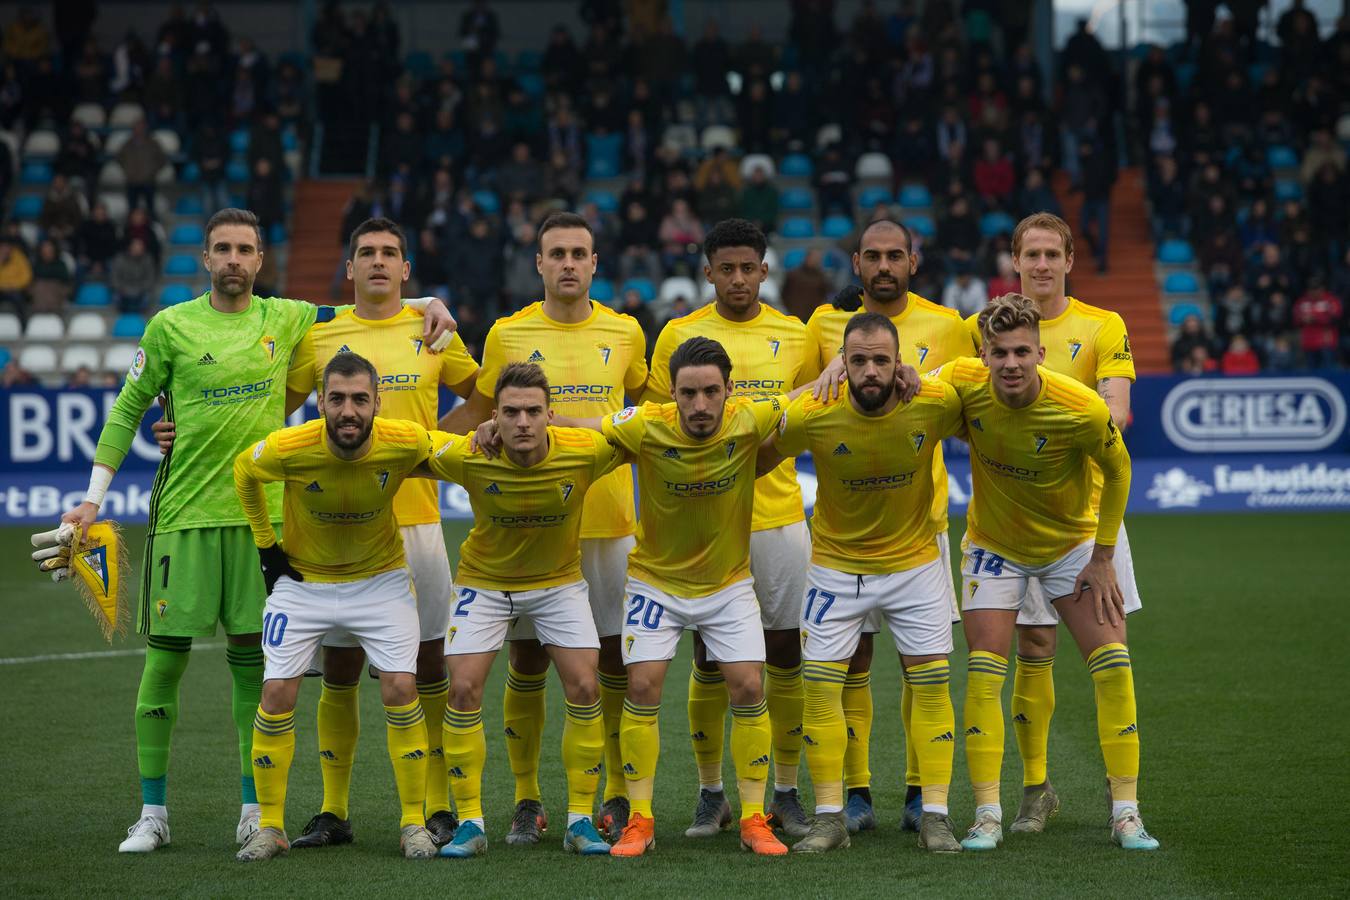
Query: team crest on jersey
921	348
1040	437
1075	345
269	344
604	352
916	439
417	346
161	606
383	478
977	424
731	448
774	344
565	487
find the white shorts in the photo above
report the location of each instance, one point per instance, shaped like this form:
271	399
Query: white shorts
425	556
560	616
378	614
872	625
728	621
604	566
992	582
778	561
1036	609
915	604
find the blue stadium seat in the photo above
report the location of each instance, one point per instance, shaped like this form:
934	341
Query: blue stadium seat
1288	190
798	227
189	205
173	294
1181	283
128	325
915	196
1176	253
239	140
36	173
602	290
797	199
181	264
1185	75
236	170
187	235
290	140
870	197
532	83
995	223
419	63
604	152
1280	156
487	202
643	286
921	225
1177	314
4	357
529	61
28	206
277	234
190	174
836	226
794	258
796	165
605	201
93	293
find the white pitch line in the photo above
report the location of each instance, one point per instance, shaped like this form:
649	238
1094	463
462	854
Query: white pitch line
92	654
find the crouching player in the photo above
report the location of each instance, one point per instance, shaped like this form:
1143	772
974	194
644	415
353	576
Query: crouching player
523	560
341	572
875	549
1033	437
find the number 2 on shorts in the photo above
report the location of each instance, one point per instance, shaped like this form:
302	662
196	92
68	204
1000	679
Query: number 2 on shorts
466	596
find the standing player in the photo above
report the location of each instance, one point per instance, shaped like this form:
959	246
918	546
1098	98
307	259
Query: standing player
874	551
1089	345
390	336
218	362
341	570
1034	435
772	355
592	356
523	559
930	336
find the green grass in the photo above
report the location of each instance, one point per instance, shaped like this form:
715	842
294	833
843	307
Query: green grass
1243	720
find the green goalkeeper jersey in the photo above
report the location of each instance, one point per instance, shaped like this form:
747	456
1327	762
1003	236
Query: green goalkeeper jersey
223	376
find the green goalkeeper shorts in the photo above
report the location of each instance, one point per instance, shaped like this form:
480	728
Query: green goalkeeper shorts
193	579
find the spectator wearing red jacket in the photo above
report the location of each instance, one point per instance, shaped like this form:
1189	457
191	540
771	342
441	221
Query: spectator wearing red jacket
1240	358
1318	314
994	175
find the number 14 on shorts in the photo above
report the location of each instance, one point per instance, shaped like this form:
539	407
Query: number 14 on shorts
983	560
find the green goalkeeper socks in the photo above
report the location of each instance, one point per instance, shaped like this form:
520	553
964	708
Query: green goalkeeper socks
246	673
166	660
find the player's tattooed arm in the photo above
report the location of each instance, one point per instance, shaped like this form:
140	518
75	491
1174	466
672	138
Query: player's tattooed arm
1116	392
475	410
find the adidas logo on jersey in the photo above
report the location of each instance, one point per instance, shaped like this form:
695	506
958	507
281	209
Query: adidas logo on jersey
842	450
536	357
760	761
945	738
313	488
264	762
344	349
1021	719
493	489
207	360
414	755
157	713
328	754
671	453
1131	728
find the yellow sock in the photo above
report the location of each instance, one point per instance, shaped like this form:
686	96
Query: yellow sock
339	723
432	697
465	754
751	739
824	732
783	694
708	704
640	744
273	750
984	724
933	731
583	749
406	730
857	701
1117	725
612	689
523	711
1033	703
906	718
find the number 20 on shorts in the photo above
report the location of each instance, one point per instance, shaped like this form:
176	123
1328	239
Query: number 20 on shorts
644	612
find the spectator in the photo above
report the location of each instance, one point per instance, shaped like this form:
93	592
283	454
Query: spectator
1231	315
479	30
132	277
80	378
1167	197
1318	316
521	177
1322	151
1006	280
632	304
711	61
717	199
62	210
264	141
1097	178
476	267
1240	358
964	292
53	281
520	277
445	143
14	375
958	233
806	287
1198	362
138	225
211	152
638	238
265	195
1259	228
402	146
433	276
564	136
16	275
1270	274
26	38
834	183
561	64
78	158
141	158
759	201
1083	104
165	96
1036	196
994	179
1281	356
1220	260
96	242
681	236
679	308
1190	336
794	121
561	179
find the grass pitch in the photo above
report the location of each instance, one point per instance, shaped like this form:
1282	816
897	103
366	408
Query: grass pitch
1236	656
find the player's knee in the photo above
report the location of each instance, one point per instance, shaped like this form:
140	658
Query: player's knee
582	690
862	657
466	694
397	688
745	684
278	695
644	688
528	657
1036	641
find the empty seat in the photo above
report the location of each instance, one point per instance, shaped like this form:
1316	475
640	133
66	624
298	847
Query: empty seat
5	356
646	290
129	325
797	199
118	357
827	134
117	206
189	205
236	171
181	264
27	206
682	136
794	258
836	226
995	223
187	235
1179	313
1281	157
45	327
78	355
168	140
1176	253
796	165
115	141
41	143
111	175
90	115
1181	283
487	201
678	286
915	196
87	327
39	359
93	293
1288	190
798	227
419	64
715	136
921	225
873	165
605	201
871	196
124	115
277	234
753	161
602	290
10	327
173	294
35	172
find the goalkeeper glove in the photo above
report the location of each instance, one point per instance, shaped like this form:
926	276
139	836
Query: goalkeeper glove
848	299
274	565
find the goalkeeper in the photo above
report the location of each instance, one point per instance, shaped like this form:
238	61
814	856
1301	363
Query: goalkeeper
220	363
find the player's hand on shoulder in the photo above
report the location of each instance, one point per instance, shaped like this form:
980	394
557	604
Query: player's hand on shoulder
438	326
827	385
908	380
486	439
275	564
848	298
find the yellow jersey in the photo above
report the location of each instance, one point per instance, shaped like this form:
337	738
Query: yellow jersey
337	514
409	379
1031	467
590	366
527	522
770	355
931	336
875	477
1085	342
697	497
